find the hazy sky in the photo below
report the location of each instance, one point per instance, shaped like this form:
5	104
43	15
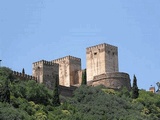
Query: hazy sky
32	30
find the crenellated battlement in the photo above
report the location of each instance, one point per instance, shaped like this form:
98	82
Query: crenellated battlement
44	62
111	47
23	76
101	46
74	58
66	58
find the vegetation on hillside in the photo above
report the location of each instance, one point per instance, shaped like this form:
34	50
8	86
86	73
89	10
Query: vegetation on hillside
28	100
135	90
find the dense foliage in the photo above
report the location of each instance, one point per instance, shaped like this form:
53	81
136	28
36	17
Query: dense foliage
56	100
32	101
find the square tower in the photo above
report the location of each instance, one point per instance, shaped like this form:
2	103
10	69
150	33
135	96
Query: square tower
68	70
45	72
100	59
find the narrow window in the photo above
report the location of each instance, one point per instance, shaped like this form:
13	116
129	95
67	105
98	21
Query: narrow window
95	53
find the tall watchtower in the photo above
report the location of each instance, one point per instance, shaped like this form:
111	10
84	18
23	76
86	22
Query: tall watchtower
45	72
101	59
68	70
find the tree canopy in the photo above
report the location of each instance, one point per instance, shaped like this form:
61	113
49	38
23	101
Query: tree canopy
135	90
30	100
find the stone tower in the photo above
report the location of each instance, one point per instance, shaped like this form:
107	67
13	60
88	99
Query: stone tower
45	72
68	70
101	59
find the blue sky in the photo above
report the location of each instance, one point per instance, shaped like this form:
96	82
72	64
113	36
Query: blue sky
32	30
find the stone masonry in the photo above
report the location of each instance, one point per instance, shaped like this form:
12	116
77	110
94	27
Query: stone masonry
114	80
68	70
101	66
101	59
45	72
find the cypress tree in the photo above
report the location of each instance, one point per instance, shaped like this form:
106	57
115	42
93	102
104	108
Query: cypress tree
23	71
135	90
84	80
56	100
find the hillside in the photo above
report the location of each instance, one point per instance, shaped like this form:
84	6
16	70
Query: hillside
28	100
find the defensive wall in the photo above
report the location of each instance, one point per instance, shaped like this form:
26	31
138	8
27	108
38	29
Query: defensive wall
44	62
101	67
68	69
66	58
115	80
63	90
22	76
67	91
101	47
46	72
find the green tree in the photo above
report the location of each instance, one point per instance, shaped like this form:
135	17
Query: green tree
135	90
5	73
56	100
23	71
124	92
8	112
84	80
91	103
6	92
36	92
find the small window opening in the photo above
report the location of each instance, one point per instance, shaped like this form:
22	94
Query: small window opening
95	53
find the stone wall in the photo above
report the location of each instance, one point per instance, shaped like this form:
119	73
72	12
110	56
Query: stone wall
68	68
64	78
21	76
75	66
115	80
67	91
101	59
80	72
111	58
45	72
101	68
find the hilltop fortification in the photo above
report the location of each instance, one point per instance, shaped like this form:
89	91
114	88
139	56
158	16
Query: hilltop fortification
101	65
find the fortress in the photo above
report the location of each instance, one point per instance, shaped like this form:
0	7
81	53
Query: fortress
101	66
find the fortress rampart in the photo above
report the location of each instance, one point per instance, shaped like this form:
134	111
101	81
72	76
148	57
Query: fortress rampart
66	58
93	48
22	76
101	67
101	46
44	62
115	80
